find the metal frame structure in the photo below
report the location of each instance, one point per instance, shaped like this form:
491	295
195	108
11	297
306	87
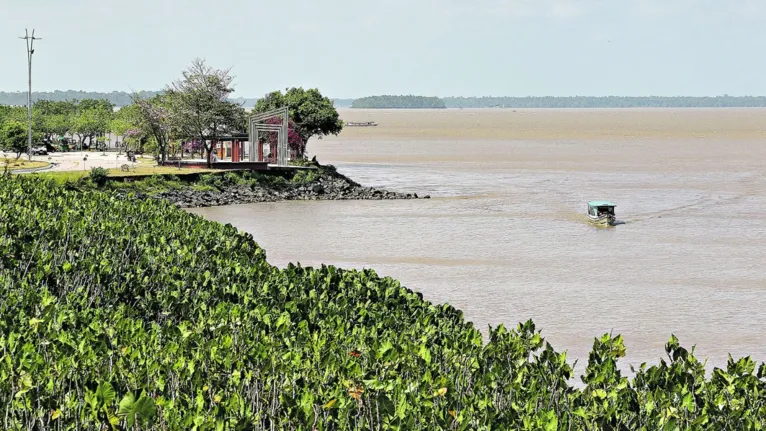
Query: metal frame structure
257	124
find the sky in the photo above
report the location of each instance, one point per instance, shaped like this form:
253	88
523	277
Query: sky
356	48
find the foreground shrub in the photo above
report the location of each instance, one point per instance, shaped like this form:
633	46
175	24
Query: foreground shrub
127	314
98	175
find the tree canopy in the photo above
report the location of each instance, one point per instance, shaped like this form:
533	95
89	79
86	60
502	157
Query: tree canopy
13	137
92	119
199	105
152	117
116	98
312	113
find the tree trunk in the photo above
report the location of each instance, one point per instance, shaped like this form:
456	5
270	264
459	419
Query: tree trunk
163	149
209	149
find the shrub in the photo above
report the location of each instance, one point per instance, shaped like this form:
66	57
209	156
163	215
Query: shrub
210	180
232	178
98	176
305	176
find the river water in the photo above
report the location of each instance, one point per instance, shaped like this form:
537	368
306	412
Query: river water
504	237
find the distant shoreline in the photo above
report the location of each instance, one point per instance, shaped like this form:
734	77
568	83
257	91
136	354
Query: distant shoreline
118	98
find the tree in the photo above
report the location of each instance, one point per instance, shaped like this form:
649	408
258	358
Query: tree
136	136
192	147
53	118
152	116
199	107
13	137
126	118
312	113
12	113
92	118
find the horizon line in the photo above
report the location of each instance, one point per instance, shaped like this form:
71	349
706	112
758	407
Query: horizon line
410	95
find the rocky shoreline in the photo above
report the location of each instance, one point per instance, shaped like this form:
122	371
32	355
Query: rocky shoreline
326	184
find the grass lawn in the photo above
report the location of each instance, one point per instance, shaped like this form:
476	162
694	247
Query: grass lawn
142	169
14	164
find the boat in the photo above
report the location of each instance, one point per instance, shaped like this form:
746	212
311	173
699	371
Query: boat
601	213
361	124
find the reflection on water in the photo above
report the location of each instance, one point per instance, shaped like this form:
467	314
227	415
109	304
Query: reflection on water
507	241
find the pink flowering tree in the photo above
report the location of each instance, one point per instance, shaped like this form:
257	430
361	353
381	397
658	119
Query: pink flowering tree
295	142
155	121
134	136
193	147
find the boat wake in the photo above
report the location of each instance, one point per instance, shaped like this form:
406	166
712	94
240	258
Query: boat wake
702	203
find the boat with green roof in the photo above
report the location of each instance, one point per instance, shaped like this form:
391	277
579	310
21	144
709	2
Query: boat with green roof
601	213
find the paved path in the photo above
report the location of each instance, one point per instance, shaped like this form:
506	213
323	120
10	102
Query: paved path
73	161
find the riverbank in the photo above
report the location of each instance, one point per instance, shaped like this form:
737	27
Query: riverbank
209	189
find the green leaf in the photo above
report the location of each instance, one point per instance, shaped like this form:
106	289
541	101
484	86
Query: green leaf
425	353
688	402
105	393
127	408
551	422
142	410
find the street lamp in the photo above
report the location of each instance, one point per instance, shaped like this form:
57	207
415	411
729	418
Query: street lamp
30	50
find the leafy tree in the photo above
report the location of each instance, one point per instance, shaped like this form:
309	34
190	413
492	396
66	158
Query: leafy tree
53	118
92	119
136	136
312	113
13	113
153	116
13	137
126	118
199	107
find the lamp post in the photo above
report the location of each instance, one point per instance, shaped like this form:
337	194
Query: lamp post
30	50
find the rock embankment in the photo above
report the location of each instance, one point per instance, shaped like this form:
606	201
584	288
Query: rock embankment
327	184
244	194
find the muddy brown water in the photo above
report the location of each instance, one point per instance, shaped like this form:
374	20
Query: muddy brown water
504	237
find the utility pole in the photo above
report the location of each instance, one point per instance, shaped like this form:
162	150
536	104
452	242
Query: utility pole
30	50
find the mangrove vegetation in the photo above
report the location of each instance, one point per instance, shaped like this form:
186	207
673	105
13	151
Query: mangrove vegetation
119	313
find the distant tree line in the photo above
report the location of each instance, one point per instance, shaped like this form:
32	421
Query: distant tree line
725	101
398	102
120	99
85	122
116	98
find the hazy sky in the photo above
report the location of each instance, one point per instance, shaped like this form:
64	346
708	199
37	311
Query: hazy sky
353	48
